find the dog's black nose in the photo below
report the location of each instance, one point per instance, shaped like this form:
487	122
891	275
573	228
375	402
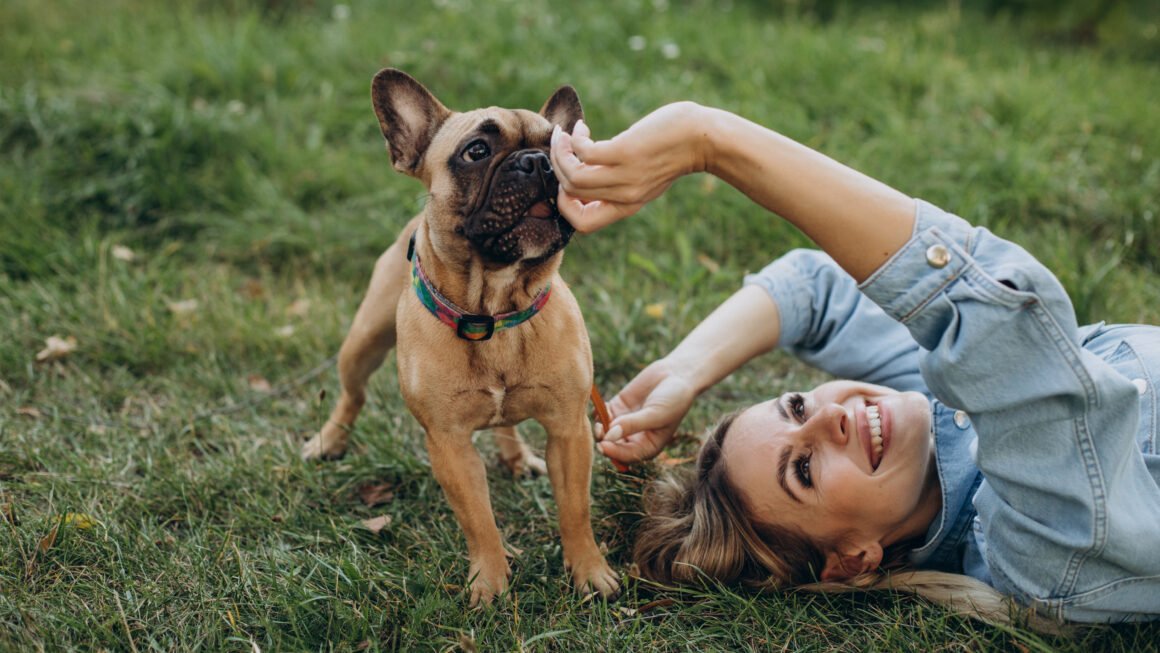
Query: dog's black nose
533	162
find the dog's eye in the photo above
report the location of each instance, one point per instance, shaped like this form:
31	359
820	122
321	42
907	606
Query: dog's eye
476	150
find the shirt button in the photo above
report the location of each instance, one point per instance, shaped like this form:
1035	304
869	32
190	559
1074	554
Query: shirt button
938	256
1141	385
961	419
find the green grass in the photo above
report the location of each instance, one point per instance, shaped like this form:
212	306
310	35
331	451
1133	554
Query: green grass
232	147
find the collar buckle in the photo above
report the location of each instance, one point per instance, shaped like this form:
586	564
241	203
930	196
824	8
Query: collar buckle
465	322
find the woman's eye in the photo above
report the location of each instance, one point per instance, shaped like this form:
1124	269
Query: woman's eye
801	469
797	407
475	151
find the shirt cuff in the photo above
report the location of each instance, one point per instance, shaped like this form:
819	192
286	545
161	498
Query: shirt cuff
935	255
789	281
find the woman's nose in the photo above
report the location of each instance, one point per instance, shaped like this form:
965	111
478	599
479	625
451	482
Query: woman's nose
830	422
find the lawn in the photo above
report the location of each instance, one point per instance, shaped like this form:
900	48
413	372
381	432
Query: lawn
195	193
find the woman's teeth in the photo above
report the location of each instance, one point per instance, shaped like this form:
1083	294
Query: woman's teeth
875	418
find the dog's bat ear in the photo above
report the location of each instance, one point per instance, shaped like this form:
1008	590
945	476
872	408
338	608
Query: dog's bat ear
563	108
409	116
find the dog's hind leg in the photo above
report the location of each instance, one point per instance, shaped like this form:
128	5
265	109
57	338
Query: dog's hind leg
515	454
371	336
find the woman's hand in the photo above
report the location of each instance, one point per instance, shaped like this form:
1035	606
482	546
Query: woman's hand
602	182
646	413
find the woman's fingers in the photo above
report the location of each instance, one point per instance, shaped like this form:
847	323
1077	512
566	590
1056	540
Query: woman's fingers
587	217
577	173
638	447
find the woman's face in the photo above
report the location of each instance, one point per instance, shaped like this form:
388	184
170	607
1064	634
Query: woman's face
846	462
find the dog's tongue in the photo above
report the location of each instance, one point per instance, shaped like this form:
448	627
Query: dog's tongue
540	210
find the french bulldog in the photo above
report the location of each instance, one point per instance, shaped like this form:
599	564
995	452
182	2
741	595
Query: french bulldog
487	333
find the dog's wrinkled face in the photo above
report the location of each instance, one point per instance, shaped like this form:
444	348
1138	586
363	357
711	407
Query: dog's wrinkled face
491	183
498	180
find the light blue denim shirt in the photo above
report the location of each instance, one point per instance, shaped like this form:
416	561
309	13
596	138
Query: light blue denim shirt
1045	432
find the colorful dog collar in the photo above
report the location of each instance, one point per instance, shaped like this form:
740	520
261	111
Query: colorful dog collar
468	326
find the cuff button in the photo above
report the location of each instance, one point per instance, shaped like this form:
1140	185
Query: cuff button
938	256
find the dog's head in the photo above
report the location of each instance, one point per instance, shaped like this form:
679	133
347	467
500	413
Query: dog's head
492	189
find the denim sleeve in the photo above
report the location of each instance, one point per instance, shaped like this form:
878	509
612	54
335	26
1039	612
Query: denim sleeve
1069	512
828	323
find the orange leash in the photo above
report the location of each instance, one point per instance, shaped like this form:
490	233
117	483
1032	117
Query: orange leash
606	422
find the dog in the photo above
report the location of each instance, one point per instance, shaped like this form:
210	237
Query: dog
488	334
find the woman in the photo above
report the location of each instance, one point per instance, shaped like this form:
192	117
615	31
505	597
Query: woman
987	447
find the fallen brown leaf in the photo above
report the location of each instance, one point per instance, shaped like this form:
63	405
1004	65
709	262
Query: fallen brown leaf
56	348
467	643
376	494
709	264
253	289
29	411
8	513
298	308
377	524
652	605
258	383
668	461
49	540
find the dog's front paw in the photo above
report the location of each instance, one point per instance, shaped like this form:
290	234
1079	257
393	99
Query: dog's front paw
594	575
328	444
489	579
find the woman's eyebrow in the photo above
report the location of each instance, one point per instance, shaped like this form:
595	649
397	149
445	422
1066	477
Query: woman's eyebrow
780	408
782	465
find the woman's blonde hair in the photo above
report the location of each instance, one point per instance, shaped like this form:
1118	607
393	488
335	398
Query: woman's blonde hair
697	528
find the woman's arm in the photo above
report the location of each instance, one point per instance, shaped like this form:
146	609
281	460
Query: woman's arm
859	221
649	409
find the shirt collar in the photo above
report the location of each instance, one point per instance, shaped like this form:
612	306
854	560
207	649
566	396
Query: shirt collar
959	479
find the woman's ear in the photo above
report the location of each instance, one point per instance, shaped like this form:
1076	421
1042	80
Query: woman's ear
853	561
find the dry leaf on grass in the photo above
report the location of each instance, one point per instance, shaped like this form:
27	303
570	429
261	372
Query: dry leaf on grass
8	514
284	331
668	461
183	307
49	540
652	605
56	348
253	289
29	411
298	308
709	264
467	643
655	311
258	383
79	520
376	524
122	253
376	494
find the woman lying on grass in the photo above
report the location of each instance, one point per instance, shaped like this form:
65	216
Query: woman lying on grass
988	446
